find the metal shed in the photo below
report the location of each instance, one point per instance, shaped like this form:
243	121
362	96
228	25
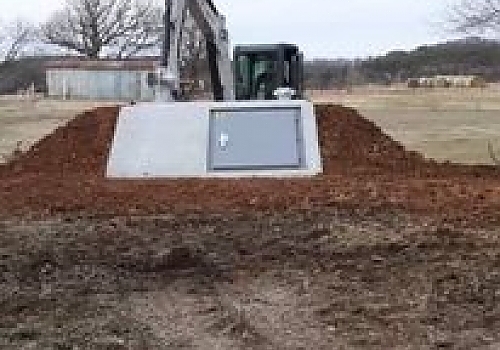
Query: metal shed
100	79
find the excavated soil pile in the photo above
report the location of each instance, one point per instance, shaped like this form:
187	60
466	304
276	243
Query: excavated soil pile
78	148
363	168
351	144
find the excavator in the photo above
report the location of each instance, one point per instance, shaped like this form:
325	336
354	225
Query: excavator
260	72
258	123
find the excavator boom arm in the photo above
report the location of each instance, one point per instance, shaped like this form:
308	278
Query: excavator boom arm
213	27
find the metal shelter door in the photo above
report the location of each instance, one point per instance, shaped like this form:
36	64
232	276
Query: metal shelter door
255	138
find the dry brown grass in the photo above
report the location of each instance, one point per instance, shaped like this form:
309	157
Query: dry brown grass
25	121
445	124
397	97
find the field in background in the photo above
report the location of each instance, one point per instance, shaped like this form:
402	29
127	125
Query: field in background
28	120
444	124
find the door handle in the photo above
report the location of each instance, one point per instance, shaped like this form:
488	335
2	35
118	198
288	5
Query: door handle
223	140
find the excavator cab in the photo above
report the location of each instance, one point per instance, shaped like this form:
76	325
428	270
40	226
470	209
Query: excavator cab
261	71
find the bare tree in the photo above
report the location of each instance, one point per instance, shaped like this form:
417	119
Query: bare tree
475	15
147	34
15	37
89	26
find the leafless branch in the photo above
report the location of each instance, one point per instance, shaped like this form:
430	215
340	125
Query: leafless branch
89	26
475	15
15	38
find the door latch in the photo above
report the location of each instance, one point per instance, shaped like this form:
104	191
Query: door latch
223	140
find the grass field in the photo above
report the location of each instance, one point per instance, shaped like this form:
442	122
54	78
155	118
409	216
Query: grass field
444	124
27	121
454	125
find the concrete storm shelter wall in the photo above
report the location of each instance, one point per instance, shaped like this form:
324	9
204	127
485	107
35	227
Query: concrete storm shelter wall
216	139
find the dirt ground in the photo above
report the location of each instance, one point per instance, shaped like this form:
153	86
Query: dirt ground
384	250
311	280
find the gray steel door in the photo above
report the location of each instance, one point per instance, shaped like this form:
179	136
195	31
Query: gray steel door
255	138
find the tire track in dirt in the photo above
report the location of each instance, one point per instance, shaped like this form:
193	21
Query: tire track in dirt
255	314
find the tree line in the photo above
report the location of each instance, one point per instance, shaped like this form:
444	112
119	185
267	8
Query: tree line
470	56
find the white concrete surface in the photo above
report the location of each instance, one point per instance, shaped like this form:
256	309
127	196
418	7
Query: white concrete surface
171	140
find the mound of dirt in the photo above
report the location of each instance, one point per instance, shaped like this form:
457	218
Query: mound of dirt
80	147
352	144
363	168
349	144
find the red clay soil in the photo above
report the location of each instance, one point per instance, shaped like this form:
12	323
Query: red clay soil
363	168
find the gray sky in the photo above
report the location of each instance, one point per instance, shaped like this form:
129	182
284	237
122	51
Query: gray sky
322	28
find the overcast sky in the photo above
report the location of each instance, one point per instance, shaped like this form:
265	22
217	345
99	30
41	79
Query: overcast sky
322	28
